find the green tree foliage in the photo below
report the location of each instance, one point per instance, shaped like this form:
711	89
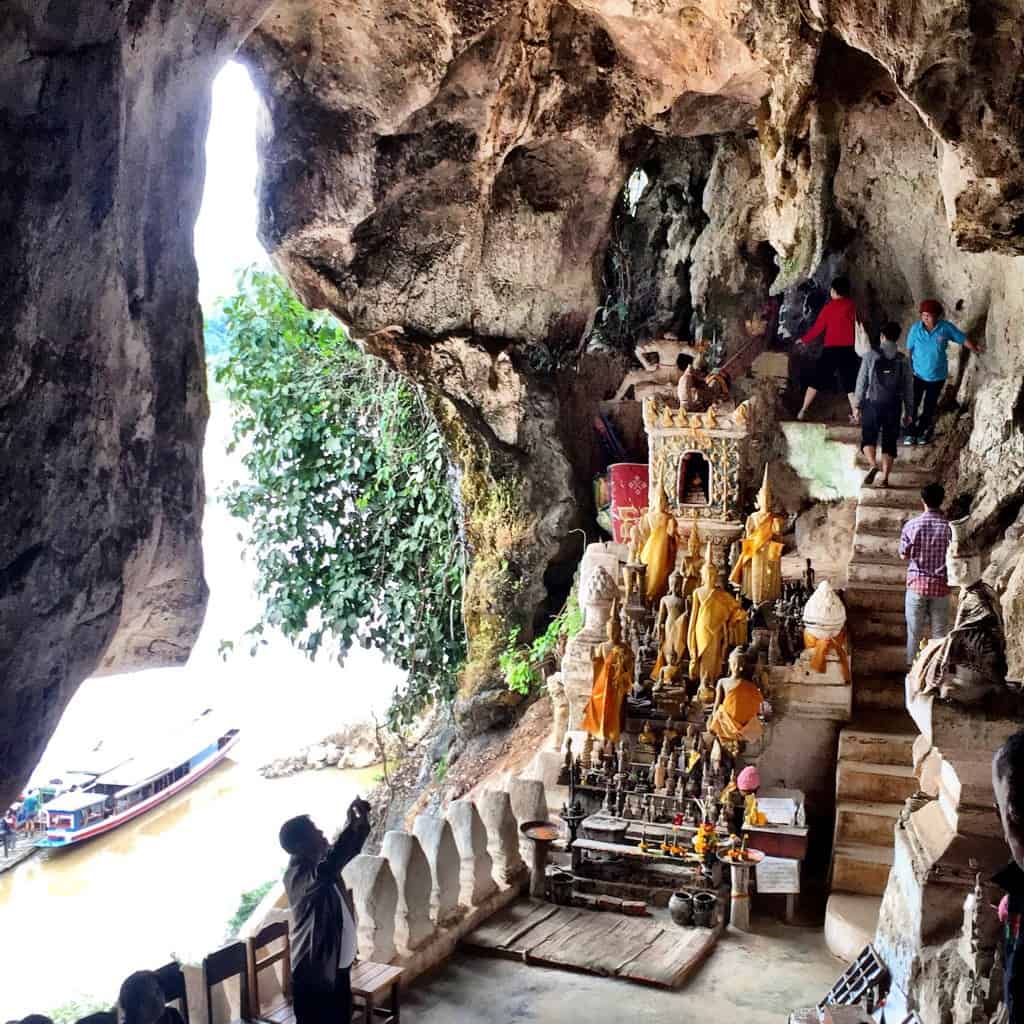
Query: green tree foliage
349	504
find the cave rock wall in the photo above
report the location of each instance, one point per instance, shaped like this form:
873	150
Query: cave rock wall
446	176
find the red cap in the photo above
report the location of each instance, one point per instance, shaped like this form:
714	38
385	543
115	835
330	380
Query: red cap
932	306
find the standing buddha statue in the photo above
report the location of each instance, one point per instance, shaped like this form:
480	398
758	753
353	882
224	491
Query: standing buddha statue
659	550
717	622
758	570
692	565
672	607
613	676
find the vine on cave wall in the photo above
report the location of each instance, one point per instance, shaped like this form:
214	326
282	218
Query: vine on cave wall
348	502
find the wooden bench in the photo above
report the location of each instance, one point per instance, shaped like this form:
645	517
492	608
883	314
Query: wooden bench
373	985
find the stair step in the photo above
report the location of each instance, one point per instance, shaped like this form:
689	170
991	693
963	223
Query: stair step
885	597
850	924
882	521
861	742
870	659
874	783
908	477
879	628
890	573
892	497
861	868
879	693
877	549
861	822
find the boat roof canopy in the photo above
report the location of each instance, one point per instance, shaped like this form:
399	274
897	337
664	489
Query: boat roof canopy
68	803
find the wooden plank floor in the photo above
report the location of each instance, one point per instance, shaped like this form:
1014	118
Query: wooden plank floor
612	945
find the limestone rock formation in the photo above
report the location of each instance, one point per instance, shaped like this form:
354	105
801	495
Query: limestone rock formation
103	113
448	178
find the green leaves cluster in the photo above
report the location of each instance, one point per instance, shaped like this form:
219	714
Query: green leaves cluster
522	665
349	505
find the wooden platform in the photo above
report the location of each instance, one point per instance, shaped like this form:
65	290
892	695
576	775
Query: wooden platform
612	945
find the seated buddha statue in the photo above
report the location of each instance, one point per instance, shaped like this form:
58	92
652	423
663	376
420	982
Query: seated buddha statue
737	703
613	677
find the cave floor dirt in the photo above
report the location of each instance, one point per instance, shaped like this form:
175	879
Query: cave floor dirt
755	978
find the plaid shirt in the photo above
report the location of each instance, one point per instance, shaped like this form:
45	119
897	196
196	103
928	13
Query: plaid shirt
924	541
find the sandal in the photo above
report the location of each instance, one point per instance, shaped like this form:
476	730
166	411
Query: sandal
882	483
871	474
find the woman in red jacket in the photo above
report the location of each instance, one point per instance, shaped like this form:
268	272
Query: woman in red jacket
837	321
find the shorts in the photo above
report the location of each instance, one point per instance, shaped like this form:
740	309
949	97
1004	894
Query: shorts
843	361
881	420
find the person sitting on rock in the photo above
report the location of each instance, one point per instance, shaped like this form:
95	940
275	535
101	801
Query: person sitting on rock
927	341
885	387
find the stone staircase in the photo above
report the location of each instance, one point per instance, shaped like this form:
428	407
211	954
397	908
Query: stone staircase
874	774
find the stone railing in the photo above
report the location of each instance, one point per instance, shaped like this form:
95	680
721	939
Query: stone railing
425	890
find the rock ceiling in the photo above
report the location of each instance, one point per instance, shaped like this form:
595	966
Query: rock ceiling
443	174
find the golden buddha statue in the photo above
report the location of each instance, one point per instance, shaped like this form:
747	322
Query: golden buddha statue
758	570
693	562
737	703
613	676
659	550
717	622
647	735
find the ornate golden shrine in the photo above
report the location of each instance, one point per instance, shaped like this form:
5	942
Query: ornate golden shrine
702	461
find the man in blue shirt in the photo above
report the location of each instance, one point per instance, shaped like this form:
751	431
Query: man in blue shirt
926	343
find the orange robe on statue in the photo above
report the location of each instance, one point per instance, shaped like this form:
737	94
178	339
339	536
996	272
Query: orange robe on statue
739	707
613	676
659	555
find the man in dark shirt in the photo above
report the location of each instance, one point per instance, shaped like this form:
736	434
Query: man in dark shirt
1008	783
323	939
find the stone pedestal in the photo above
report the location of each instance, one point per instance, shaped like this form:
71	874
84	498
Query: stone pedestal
476	881
944	842
438	843
375	894
801	741
411	871
502	836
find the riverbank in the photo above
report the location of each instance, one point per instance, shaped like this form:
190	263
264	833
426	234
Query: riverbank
167	883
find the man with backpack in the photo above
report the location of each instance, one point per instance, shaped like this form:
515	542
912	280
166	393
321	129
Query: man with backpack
885	386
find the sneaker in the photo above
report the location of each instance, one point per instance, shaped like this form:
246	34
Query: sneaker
910	440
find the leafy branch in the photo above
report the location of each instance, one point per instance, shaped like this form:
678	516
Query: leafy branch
348	500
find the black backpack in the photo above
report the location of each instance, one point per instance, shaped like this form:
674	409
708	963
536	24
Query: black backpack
889	379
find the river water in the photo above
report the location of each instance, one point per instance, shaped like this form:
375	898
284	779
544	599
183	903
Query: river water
75	922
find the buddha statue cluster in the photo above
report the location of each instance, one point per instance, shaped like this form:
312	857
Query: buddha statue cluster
664	775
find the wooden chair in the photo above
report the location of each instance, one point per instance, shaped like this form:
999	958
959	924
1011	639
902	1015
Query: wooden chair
172	981
223	965
282	1012
372	985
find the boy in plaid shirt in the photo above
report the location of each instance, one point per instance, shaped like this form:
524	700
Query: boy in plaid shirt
923	543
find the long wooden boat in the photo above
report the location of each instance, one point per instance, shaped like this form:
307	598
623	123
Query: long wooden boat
135	786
